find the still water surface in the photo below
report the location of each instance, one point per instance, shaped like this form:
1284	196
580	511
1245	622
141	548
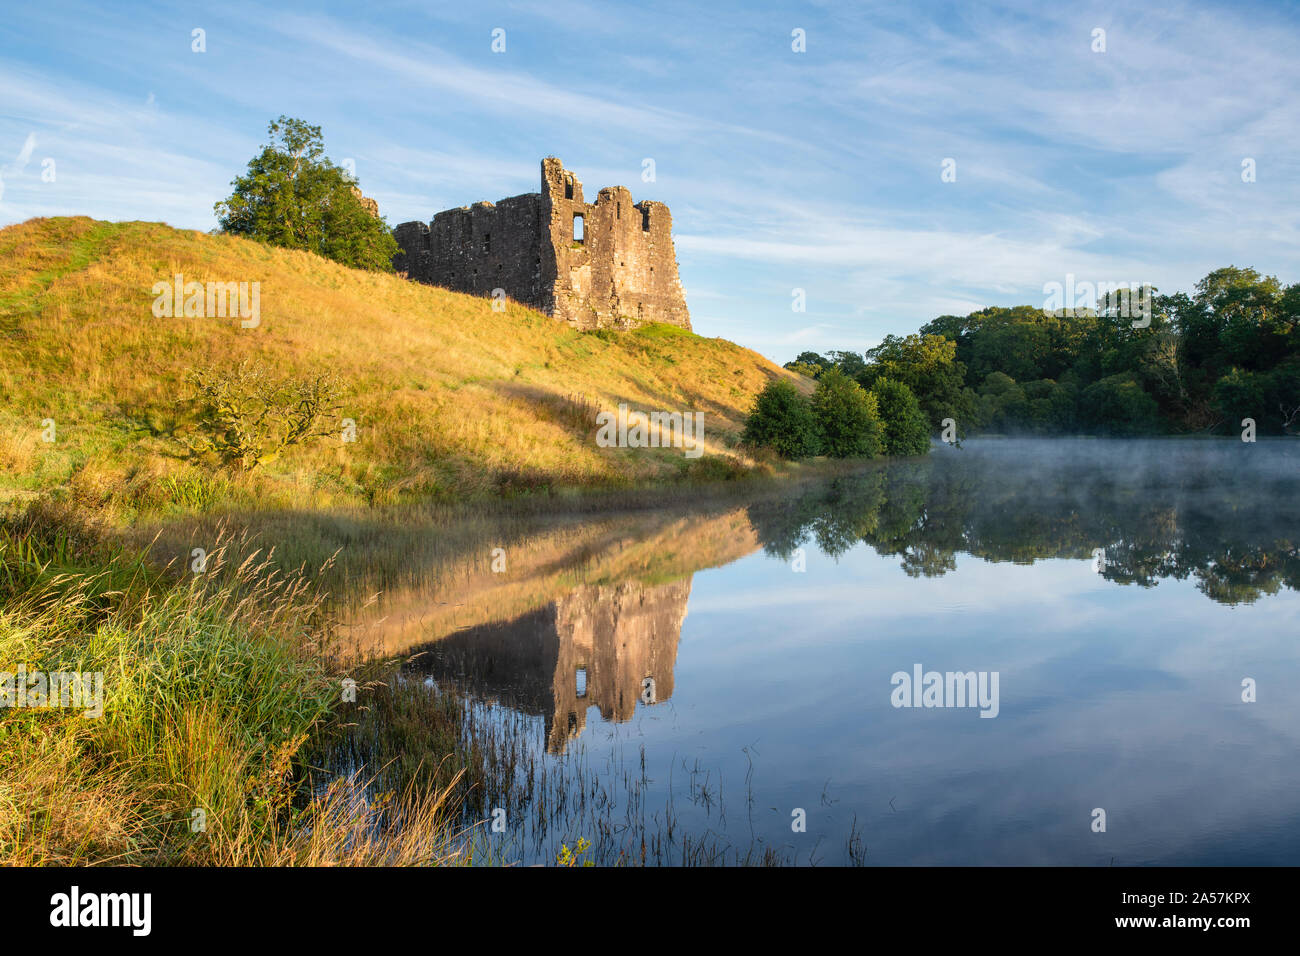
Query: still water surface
718	675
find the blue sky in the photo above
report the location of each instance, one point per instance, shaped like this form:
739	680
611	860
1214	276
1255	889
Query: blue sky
818	170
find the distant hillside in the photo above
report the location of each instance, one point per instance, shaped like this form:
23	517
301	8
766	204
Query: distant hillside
450	399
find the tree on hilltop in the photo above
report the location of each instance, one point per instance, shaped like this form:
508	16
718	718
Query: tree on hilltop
292	196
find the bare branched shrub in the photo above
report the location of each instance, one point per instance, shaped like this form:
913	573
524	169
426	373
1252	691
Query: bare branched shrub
247	416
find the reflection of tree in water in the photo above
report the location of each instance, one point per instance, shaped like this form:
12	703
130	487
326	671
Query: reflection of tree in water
1224	514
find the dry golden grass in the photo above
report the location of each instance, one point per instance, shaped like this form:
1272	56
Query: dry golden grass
210	693
451	399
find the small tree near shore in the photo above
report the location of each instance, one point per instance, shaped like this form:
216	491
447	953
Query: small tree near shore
906	431
847	418
781	419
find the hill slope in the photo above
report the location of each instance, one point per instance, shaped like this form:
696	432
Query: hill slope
450	398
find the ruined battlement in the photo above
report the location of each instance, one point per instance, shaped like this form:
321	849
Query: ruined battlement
603	265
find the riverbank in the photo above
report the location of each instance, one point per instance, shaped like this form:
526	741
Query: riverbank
194	753
197	757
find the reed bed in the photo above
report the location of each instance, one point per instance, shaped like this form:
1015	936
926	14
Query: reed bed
212	686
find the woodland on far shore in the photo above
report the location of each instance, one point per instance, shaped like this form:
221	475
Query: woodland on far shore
1207	361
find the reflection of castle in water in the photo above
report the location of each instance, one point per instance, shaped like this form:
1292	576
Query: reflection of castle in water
608	646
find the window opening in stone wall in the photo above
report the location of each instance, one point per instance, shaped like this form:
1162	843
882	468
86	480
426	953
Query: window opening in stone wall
568	188
487	242
645	220
578	229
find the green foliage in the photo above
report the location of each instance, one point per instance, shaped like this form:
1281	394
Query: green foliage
782	419
846	416
1138	362
246	416
1272	398
905	431
1117	405
812	371
1003	405
1053	406
573	857
809	363
1018	349
928	366
292	196
851	364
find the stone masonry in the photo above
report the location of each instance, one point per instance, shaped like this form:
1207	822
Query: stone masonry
603	265
607	646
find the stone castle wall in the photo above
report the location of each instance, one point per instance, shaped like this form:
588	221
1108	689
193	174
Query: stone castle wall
619	271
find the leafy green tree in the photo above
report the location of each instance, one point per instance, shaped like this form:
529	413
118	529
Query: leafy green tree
1020	350
1241	394
1051	405
1284	395
808	363
905	430
1118	405
294	197
846	416
812	358
1003	405
782	419
851	364
1271	398
1201	358
928	366
954	328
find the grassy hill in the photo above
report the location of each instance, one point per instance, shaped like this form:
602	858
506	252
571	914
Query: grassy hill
451	399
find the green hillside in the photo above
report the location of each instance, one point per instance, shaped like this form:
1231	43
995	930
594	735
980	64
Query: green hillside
451	399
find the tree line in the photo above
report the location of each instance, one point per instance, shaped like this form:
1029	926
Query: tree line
841	419
1199	362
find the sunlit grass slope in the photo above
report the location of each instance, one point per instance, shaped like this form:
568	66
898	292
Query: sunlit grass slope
451	399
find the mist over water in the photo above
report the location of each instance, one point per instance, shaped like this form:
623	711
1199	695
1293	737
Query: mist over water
1224	514
711	676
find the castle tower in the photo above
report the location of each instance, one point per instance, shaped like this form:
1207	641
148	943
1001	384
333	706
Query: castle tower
603	265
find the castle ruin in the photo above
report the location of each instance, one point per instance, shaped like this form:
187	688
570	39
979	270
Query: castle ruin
606	646
603	265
